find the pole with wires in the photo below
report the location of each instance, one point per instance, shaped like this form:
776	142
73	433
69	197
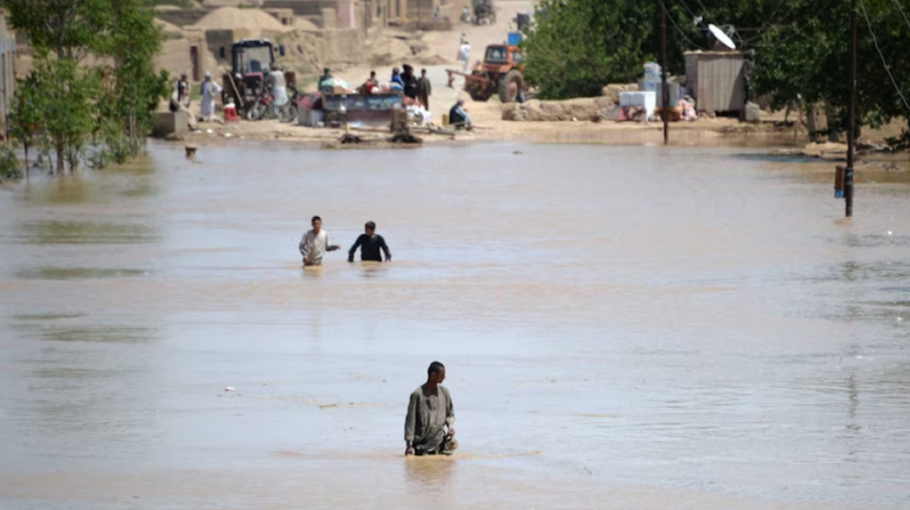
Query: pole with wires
663	70
851	132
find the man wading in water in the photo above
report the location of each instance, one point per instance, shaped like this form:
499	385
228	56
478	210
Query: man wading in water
370	243
429	428
315	244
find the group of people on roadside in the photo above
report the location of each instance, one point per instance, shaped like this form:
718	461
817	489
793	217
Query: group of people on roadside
275	84
181	98
416	90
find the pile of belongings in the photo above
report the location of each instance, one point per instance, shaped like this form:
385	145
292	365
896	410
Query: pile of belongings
335	86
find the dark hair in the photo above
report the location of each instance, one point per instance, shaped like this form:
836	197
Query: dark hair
423	71
370	225
372	73
435	368
326	70
315	218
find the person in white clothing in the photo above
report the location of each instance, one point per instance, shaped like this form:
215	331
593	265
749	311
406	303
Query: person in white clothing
464	55
315	244
209	90
278	85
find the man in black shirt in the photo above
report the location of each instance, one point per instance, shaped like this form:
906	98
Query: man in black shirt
410	82
370	243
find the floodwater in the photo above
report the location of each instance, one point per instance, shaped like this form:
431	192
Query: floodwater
624	327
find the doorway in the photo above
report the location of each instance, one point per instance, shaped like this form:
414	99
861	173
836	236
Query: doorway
194	61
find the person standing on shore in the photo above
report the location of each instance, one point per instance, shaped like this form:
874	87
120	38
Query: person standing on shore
429	428
209	90
370	243
424	89
315	244
464	55
409	82
183	91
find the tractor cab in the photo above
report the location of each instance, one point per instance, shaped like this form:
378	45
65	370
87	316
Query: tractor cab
501	59
250	58
502	72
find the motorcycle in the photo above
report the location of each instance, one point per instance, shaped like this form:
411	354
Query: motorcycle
262	108
288	112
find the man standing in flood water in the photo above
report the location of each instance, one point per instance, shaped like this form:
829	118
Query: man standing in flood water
370	243
429	428
315	244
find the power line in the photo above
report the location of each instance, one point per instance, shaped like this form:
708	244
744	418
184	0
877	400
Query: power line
880	54
703	8
691	12
899	8
771	21
796	31
673	21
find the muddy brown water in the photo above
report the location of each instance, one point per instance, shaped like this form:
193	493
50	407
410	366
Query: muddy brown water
624	327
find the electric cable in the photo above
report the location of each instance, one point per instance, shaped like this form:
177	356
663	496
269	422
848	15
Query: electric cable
880	54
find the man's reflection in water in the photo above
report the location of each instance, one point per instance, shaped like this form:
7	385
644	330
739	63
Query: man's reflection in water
429	474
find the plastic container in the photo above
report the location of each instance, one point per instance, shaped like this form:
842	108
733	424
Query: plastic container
514	38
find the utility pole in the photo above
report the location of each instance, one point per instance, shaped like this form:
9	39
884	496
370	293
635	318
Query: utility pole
664	91
851	133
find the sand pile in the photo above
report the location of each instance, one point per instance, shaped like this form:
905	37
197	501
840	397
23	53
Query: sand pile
433	60
168	28
386	51
232	18
305	24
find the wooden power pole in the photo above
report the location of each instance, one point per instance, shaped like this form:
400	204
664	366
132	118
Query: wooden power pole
664	92
851	132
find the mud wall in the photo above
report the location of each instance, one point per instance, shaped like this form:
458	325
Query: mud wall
175	55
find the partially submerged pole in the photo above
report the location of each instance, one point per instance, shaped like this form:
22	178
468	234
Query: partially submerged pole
851	132
664	96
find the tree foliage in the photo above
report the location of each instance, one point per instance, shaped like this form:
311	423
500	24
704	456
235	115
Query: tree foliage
94	84
68	28
798	47
578	46
132	88
810	55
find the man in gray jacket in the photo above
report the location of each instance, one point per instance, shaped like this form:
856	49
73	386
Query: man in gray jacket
315	244
429	428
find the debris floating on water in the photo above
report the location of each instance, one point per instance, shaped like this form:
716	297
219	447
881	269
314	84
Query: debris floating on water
230	388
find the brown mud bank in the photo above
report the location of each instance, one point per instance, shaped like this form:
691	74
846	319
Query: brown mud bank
711	132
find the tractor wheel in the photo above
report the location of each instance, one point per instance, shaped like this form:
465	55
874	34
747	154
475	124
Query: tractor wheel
509	86
477	94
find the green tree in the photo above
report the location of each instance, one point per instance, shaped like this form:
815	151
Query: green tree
68	28
578	46
108	105
810	54
25	116
133	87
66	93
